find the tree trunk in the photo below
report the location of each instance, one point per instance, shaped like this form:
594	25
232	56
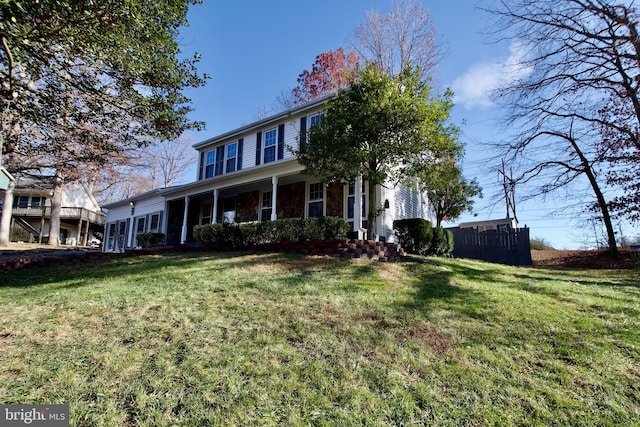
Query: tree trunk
5	219
56	208
371	211
611	236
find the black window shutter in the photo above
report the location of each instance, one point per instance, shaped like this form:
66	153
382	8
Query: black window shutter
303	134
220	160
258	147
280	142
239	154
201	174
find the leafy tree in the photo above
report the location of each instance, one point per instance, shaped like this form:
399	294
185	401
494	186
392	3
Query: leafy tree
331	71
578	104
376	129
405	37
115	67
449	192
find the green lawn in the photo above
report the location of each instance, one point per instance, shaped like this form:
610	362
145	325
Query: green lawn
271	339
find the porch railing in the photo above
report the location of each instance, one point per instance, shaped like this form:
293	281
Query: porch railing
65	213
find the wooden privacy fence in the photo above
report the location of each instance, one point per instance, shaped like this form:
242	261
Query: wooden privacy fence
511	247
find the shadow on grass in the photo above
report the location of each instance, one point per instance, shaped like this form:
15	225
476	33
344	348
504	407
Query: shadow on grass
297	270
436	287
86	273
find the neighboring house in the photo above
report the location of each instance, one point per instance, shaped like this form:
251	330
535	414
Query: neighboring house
491	224
251	174
80	216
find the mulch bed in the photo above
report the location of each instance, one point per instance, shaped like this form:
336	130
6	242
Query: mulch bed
585	259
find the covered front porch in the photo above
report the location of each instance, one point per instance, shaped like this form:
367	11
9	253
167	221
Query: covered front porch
285	195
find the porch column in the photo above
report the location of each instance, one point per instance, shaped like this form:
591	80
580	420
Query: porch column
79	240
86	229
274	196
183	236
214	217
357	205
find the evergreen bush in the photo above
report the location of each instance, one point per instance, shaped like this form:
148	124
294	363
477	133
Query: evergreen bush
281	230
442	242
150	240
414	234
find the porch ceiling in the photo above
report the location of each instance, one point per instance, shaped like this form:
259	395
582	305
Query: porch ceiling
233	190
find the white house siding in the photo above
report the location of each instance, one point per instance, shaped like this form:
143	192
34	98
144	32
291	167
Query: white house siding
249	151
76	196
291	136
123	215
404	202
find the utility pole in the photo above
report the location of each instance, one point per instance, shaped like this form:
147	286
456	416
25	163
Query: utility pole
509	187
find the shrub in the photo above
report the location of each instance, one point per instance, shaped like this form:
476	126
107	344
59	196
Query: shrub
281	230
150	240
442	242
414	234
540	245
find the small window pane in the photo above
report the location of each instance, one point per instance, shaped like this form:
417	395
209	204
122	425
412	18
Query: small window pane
270	138
141	222
315	209
155	219
269	154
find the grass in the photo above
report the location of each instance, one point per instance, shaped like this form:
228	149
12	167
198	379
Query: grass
288	340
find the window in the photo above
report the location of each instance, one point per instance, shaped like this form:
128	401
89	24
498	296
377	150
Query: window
141	223
155	222
210	163
112	235
270	139
232	155
316	200
37	202
21	202
266	206
351	201
316	120
205	214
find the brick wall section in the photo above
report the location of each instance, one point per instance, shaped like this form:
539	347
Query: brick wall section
345	249
247	206
334	200
290	200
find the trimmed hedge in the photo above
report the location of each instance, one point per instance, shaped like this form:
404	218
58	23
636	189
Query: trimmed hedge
150	240
281	230
417	236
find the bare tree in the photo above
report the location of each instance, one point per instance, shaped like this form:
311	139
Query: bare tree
578	105
161	164
167	160
405	37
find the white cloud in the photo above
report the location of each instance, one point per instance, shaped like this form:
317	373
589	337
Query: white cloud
474	87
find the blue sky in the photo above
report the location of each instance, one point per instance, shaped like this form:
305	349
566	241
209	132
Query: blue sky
255	50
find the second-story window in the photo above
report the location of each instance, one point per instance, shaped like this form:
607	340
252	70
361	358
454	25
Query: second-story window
37	202
232	155
315	120
21	202
210	163
270	139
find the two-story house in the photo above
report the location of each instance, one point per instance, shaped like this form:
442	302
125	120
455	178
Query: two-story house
80	216
251	174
